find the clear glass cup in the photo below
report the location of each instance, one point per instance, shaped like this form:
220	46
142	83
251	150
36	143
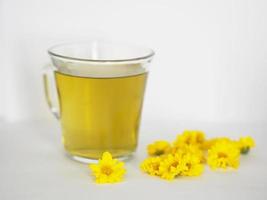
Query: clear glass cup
96	90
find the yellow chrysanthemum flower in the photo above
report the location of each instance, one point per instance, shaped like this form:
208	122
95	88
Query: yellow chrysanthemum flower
223	154
151	165
108	170
190	137
209	143
191	149
158	148
193	165
171	166
245	144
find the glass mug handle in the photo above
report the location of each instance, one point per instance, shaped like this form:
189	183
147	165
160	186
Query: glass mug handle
50	89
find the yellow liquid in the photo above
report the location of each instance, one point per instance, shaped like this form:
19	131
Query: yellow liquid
100	114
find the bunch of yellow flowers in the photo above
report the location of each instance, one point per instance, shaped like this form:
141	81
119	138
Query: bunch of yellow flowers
189	152
185	156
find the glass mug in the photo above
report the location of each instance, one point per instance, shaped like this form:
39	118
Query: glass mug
96	90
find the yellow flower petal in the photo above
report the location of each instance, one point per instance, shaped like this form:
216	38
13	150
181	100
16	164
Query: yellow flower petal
192	149
193	165
106	156
193	137
158	148
223	155
151	165
245	144
171	166
209	143
108	170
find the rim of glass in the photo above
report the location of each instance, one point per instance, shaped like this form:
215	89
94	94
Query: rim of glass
150	54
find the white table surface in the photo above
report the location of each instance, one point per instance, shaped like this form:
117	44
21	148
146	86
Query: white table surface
33	166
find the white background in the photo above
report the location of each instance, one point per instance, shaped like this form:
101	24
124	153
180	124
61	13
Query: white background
210	63
209	73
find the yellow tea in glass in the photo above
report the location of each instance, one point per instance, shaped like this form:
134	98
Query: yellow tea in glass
98	96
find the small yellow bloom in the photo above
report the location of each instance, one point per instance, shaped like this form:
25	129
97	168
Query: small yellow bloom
190	137
223	154
158	148
108	170
151	165
193	165
245	144
190	149
171	166
209	143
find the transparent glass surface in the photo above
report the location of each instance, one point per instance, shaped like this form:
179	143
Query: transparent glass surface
99	89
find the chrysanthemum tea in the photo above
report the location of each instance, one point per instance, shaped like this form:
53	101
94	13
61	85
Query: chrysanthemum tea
97	96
